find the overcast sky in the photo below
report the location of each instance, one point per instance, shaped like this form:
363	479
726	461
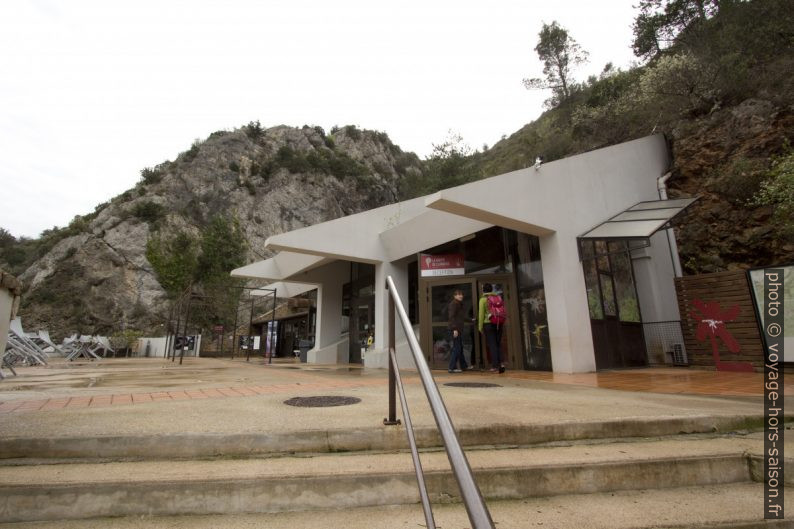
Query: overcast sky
91	91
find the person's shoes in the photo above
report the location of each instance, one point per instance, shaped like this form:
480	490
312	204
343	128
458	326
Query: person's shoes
501	369
469	368
457	371
494	370
451	371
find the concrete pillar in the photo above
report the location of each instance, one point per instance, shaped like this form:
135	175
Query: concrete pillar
571	339
378	355
329	345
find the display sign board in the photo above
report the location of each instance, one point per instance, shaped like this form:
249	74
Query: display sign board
450	264
786	294
188	343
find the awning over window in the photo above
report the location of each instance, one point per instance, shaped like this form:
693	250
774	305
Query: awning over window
641	220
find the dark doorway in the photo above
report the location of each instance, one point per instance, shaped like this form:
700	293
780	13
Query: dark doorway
614	308
359	307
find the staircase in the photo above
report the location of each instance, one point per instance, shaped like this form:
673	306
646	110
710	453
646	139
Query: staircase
665	472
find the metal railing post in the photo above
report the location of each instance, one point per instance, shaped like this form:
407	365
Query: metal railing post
167	350
250	332
272	328
392	418
409	429
234	331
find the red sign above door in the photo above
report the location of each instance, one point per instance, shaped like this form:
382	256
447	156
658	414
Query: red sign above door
450	264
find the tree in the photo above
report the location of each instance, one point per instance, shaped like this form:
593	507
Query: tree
663	22
174	261
559	53
449	165
223	248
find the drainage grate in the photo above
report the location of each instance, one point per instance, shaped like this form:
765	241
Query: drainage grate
322	401
473	385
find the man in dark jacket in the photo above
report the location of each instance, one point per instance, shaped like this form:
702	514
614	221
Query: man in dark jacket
456	313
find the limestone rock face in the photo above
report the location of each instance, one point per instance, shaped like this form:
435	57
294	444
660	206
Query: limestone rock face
98	280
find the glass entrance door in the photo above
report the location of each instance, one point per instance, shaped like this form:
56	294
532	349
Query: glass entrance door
434	320
436	341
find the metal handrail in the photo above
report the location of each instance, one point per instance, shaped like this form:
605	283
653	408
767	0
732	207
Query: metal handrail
409	429
478	513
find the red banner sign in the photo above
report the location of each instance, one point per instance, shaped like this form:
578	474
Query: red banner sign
450	264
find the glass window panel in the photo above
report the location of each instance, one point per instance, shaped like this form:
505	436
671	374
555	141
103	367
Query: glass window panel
628	306
530	271
485	253
647	214
600	247
593	292
442	296
587	249
610	308
441	347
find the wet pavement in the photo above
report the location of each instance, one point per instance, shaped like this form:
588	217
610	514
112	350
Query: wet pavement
154	395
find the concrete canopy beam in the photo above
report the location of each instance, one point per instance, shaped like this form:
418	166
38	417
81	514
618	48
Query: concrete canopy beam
283	265
426	230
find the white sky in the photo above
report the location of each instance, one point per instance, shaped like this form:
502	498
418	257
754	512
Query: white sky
92	91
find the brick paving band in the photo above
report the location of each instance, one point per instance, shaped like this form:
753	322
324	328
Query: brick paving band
647	380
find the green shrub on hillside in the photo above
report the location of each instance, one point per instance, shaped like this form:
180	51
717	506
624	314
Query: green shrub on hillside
326	161
778	191
152	175
190	154
254	130
148	211
353	132
740	179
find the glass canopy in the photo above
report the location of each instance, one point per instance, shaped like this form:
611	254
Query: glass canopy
641	220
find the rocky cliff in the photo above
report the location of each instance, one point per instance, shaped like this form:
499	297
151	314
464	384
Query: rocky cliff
96	277
723	158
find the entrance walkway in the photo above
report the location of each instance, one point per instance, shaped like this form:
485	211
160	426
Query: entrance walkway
654	380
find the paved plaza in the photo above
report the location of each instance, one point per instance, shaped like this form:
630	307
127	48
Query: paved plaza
149	443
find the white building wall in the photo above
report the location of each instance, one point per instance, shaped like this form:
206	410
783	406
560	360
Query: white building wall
654	276
156	346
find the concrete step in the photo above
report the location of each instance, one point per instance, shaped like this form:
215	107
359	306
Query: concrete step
728	506
328	481
200	445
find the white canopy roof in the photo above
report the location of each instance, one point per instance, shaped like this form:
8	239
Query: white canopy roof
640	221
